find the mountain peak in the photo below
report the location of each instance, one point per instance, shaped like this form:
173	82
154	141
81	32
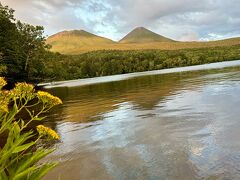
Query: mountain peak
76	40
143	35
73	33
140	28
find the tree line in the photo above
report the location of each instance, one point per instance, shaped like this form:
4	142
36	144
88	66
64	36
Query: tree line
111	62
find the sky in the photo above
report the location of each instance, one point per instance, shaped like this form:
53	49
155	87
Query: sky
184	20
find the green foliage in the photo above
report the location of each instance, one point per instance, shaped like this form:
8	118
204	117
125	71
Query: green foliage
102	63
23	47
3	68
21	153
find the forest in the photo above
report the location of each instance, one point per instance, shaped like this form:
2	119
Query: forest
110	62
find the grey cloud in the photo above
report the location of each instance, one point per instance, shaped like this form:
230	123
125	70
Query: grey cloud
54	15
178	19
203	17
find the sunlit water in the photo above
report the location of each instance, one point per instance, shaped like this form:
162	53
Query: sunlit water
182	125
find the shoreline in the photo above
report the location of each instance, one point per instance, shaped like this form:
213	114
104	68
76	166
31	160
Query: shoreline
119	77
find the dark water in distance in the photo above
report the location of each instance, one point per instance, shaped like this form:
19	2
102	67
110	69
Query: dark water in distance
169	126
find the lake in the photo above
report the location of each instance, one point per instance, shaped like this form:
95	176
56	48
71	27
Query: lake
180	124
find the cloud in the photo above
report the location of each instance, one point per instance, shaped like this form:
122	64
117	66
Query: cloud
177	19
191	36
54	15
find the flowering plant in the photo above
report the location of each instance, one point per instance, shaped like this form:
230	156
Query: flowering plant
19	156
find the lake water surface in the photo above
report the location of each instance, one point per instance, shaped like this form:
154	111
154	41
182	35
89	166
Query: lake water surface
182	125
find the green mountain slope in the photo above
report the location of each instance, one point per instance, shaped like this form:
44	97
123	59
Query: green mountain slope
143	35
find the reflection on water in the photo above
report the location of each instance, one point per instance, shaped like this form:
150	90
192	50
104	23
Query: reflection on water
169	126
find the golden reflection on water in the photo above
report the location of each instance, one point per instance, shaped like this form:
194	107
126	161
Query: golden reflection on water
87	103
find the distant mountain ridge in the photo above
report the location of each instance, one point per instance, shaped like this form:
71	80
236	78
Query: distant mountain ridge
80	41
143	35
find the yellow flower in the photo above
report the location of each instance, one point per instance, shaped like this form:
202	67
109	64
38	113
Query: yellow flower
3	107
46	131
2	82
4	100
48	98
23	90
